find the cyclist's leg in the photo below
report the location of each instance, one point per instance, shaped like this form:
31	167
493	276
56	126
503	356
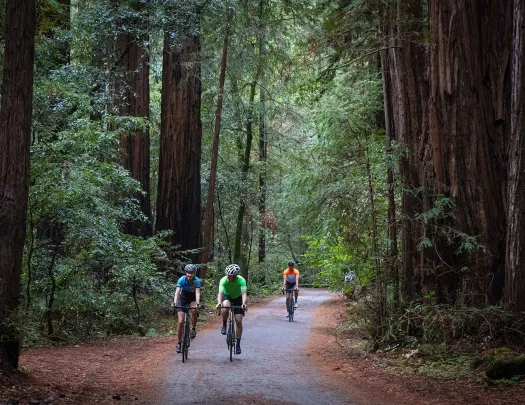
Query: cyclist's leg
225	312
296	292
238	324
194	316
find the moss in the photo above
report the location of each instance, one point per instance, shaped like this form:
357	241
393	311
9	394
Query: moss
503	363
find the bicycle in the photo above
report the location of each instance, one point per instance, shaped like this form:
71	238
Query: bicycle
186	340
231	338
290	306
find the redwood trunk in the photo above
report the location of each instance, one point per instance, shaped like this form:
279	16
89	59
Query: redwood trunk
408	99
15	131
515	255
132	99
468	115
179	192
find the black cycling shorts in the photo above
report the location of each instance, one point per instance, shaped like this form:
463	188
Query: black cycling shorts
235	302
184	301
290	286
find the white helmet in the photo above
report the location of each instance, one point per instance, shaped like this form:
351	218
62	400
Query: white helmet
232	270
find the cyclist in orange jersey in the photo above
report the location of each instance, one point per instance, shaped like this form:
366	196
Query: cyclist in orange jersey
291	281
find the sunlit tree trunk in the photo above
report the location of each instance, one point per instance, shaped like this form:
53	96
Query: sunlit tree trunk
179	192
15	133
514	298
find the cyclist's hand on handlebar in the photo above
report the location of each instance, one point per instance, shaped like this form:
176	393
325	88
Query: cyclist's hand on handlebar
218	306
245	307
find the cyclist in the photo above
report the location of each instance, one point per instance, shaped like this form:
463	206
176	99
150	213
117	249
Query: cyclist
291	281
232	292
188	291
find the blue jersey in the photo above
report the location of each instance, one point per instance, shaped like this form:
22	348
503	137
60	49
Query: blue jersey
188	287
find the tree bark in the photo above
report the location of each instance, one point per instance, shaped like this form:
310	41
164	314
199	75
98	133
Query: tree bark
391	256
131	98
179	192
514	298
408	98
15	133
468	118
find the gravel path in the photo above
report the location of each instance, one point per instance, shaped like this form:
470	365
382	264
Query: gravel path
273	367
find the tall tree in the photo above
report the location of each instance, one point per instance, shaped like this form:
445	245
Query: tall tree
15	131
131	98
407	99
263	143
209	215
515	254
179	188
468	112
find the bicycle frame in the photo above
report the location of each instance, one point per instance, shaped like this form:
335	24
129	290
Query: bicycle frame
186	341
231	338
290	306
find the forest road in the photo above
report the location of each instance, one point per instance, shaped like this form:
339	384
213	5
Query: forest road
274	367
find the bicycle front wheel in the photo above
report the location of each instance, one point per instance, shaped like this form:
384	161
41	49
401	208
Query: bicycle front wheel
231	339
185	339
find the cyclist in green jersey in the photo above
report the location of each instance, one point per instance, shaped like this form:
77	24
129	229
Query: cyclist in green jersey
232	292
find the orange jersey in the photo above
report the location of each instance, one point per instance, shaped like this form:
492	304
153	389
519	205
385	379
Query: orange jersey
291	275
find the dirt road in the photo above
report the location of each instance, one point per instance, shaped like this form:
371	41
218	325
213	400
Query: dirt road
273	367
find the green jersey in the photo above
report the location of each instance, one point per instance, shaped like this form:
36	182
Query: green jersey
232	289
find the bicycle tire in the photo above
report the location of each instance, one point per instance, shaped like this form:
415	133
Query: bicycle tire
290	309
185	335
231	333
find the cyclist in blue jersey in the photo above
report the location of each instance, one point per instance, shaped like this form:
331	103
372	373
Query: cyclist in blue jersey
188	291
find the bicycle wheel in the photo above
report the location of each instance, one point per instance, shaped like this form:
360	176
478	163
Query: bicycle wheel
185	335
188	340
231	335
290	309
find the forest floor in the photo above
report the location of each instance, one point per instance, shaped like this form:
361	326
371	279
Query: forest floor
125	370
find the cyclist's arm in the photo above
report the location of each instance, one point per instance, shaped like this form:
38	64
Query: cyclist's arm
284	282
198	296
219	297
297	281
244	298
177	294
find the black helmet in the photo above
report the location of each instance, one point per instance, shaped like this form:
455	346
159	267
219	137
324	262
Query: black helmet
291	263
190	268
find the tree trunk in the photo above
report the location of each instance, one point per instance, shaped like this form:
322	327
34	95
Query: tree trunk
15	133
391	256
468	118
131	98
514	298
245	168
208	216
179	193
408	99
263	146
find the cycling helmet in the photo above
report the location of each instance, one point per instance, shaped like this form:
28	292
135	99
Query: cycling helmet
190	268
291	263
232	270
